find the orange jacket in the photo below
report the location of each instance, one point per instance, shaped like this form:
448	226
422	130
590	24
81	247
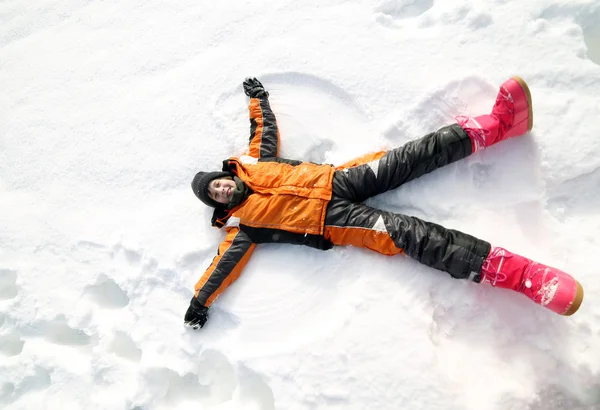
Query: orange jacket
287	197
288	204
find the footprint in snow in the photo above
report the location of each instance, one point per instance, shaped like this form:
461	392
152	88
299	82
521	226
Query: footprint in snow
586	15
399	9
212	384
8	284
107	293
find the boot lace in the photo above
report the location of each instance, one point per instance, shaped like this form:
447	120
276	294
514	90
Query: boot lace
492	266
478	135
504	108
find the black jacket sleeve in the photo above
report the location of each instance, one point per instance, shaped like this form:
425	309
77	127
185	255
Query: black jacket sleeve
264	134
234	252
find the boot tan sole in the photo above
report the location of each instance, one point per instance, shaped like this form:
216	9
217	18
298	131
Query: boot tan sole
577	302
528	96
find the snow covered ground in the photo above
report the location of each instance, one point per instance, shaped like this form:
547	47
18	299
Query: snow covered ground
109	108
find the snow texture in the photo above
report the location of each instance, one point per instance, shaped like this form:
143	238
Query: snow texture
109	108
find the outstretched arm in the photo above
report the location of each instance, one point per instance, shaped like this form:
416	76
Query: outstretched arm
233	254
264	134
226	267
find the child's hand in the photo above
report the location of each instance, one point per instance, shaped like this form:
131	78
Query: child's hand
196	315
254	89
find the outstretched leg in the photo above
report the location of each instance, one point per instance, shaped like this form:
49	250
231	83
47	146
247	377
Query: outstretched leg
390	169
461	255
511	116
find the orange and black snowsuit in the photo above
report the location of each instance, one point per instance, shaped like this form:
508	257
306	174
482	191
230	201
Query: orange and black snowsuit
320	205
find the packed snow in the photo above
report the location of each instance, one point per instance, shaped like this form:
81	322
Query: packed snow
109	108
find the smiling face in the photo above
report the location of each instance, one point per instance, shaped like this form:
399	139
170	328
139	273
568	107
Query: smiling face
221	189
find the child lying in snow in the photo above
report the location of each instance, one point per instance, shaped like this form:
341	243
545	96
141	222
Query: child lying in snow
260	197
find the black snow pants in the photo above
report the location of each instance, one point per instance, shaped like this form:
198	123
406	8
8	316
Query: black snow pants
349	221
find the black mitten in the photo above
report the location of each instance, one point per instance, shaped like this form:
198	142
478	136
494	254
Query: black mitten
254	89
196	315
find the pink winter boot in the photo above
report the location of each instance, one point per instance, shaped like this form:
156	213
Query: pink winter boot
546	286
511	116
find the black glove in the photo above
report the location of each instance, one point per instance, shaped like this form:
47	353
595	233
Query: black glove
254	89
196	315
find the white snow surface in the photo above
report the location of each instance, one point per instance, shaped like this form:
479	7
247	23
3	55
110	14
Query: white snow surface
109	108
